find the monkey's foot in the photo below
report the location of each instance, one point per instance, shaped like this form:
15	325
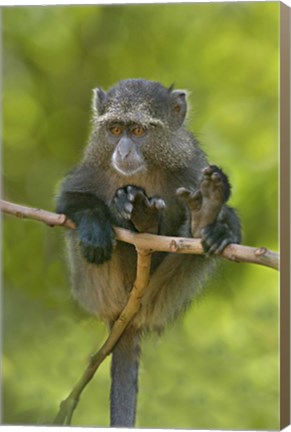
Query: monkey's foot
216	236
205	205
134	205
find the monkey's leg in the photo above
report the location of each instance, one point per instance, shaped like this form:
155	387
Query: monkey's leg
124	379
134	205
211	220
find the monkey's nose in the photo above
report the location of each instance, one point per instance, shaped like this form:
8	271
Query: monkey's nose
124	148
123	155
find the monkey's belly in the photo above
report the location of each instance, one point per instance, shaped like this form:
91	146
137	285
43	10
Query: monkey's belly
103	290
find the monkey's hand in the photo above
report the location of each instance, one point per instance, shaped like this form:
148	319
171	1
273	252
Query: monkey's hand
132	204
208	213
93	221
96	236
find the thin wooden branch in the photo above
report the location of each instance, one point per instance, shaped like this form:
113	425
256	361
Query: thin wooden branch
49	218
69	404
151	242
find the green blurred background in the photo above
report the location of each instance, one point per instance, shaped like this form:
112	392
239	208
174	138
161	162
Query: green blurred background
217	367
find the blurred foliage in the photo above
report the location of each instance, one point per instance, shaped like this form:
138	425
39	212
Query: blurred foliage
218	366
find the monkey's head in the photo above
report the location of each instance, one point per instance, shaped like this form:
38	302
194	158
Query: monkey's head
137	125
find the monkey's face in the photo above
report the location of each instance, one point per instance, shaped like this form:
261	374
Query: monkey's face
137	123
128	141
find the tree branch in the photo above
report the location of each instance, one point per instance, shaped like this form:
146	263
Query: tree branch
151	242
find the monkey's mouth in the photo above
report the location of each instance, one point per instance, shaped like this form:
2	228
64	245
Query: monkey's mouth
127	168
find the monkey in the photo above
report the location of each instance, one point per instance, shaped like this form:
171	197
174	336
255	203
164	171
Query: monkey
144	171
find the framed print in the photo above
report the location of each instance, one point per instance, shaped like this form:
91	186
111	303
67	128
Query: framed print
155	139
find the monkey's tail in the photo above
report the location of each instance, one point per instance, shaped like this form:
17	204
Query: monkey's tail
124	379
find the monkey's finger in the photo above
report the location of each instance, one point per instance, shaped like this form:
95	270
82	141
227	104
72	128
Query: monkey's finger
193	199
216	177
130	193
124	209
189	196
206	172
120	199
134	193
127	210
215	238
122	204
209	170
217	248
205	187
222	246
183	192
157	203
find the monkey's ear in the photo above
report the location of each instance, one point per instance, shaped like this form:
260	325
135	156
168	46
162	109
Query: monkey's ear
179	107
99	98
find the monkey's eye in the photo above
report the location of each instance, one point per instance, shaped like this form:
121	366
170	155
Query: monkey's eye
138	131
116	130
